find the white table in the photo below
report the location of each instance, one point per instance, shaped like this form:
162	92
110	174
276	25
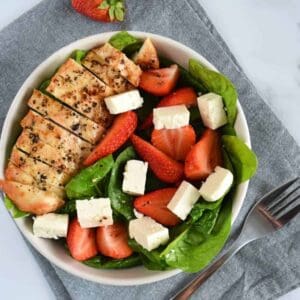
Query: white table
263	35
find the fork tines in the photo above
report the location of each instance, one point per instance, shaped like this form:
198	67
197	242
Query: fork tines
280	205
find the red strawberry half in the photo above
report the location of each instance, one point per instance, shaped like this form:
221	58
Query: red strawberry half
176	143
112	241
204	156
165	168
122	128
81	241
160	82
154	205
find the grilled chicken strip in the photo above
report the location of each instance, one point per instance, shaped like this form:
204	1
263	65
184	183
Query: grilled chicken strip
29	198
81	90
13	173
66	117
32	145
106	73
56	136
119	62
41	172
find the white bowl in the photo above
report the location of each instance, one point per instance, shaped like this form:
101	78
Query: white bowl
52	250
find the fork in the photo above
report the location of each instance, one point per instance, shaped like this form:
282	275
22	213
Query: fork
269	214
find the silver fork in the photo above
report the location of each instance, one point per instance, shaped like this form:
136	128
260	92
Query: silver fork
269	214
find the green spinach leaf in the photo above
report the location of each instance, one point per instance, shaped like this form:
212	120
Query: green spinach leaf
15	212
125	42
192	250
84	184
216	83
243	159
79	55
151	259
120	201
100	262
228	129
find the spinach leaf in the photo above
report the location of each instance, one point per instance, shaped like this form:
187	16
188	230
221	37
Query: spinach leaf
79	55
44	85
216	83
186	78
192	250
68	208
227	163
125	42
150	102
243	159
121	202
150	259
100	262
84	184
15	212
228	129
208	220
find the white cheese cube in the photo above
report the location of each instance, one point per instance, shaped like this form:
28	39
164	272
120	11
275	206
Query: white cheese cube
94	212
171	117
123	102
212	111
216	185
148	233
135	175
183	200
51	226
137	214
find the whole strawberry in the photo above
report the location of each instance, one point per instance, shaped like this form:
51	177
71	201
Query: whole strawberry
101	10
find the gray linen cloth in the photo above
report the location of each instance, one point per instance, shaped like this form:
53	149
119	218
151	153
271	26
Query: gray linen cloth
265	269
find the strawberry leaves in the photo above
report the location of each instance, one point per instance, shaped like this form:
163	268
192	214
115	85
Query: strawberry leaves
116	9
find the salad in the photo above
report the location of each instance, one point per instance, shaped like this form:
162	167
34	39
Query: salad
129	159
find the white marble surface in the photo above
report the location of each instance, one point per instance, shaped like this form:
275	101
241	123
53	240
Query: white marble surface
265	38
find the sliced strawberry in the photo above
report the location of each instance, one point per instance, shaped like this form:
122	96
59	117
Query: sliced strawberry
184	95
112	241
176	143
159	82
165	168
122	128
81	241
204	156
154	205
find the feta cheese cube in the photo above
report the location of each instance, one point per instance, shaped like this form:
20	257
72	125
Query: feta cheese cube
171	117
94	212
183	200
216	185
212	111
148	233
51	226
137	214
135	175
123	102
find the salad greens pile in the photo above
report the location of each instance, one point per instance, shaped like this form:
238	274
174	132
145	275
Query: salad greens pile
197	240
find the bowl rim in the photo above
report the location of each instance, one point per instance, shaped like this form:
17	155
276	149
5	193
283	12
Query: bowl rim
157	276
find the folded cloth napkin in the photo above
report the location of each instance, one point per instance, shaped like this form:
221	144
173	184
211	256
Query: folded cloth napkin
265	269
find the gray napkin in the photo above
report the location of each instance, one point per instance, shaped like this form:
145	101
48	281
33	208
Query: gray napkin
265	269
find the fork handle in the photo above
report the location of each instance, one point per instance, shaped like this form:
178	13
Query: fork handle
191	287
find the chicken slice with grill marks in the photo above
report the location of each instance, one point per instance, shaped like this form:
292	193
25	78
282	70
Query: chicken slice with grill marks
31	144
13	173
56	136
119	62
40	171
29	198
66	117
81	90
106	73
